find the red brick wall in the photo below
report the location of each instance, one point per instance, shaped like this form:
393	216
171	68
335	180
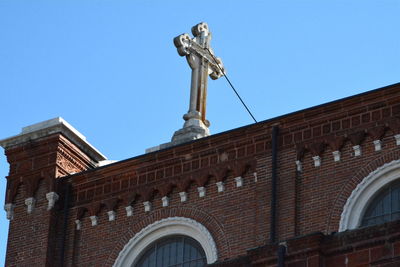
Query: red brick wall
238	218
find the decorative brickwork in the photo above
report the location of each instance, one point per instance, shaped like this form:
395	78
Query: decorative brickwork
223	182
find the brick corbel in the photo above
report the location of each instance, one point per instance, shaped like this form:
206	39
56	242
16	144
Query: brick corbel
240	168
300	151
111	205
164	189
12	189
336	144
146	193
220	172
316	149
202	178
356	139
79	215
377	133
183	183
31	185
394	125
127	200
94	210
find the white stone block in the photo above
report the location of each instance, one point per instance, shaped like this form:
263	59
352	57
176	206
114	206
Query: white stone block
357	150
165	201
51	197
255	177
94	220
9	208
336	155
317	161
183	196
397	137
299	166
111	215
78	224
378	145
202	191
147	206
220	186
129	211
239	181
30	203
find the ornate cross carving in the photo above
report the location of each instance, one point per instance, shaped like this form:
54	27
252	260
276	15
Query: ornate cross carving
203	64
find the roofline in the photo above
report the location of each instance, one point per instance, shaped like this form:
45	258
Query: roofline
242	127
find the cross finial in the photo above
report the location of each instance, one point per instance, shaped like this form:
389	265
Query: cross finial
203	64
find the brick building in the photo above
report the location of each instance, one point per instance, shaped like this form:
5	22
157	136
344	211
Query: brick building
317	187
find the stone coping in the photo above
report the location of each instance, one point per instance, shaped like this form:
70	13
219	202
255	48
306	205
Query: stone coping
49	127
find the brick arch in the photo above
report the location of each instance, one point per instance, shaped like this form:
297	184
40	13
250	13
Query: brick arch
349	186
208	221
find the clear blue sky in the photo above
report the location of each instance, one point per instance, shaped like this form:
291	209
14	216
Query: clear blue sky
111	70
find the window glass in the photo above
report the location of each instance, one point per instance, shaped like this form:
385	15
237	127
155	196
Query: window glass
384	207
179	251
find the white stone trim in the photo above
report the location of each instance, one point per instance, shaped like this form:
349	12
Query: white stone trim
78	224
317	161
30	203
299	166
239	181
129	211
9	208
51	197
167	227
111	215
355	206
377	145
336	155
46	128
397	137
94	220
147	206
357	150
165	201
220	186
202	191
183	196
255	177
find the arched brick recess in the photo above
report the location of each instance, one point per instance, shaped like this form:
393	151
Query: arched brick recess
349	185
213	226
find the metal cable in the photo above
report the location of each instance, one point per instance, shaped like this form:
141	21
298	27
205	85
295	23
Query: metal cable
233	88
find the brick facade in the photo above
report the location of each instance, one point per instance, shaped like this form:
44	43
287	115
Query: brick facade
312	189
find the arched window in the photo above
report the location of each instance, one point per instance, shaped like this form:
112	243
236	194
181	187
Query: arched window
375	199
176	241
384	207
173	251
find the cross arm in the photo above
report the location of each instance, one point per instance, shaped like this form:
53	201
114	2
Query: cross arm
186	46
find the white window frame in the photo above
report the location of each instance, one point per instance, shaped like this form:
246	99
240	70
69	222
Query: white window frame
360	198
131	252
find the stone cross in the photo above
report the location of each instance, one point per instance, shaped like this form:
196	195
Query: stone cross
203	64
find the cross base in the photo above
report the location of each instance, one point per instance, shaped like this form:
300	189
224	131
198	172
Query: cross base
193	129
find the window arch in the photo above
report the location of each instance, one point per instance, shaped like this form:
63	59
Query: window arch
368	191
158	231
